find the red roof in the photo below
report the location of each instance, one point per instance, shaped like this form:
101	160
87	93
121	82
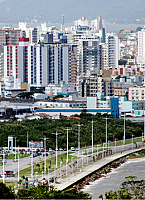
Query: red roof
68	118
43	115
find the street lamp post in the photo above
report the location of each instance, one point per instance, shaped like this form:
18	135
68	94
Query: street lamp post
45	150
79	125
15	149
93	136
32	161
48	175
3	167
27	140
18	168
106	131
56	145
124	130
67	129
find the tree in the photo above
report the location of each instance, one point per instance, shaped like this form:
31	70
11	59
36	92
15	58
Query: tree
6	192
58	96
122	62
131	188
48	192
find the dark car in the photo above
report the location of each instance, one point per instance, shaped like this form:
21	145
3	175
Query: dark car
46	154
65	149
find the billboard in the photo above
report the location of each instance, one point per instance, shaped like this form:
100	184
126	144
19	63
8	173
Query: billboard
10	143
36	144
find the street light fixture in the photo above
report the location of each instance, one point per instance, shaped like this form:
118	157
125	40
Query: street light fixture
124	130
79	125
3	166
106	131
67	140
45	150
32	161
27	139
18	167
15	149
92	136
56	145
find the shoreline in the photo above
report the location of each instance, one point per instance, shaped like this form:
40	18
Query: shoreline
100	173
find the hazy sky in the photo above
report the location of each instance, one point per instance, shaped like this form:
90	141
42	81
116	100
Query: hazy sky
124	11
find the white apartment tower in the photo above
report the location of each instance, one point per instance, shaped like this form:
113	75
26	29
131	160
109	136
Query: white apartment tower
141	45
38	65
112	43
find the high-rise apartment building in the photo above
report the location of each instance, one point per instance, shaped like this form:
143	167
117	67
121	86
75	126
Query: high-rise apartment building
40	65
9	36
87	53
1	63
72	63
28	32
105	83
112	43
16	60
141	46
97	23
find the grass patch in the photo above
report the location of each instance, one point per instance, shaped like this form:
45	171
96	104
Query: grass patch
51	162
12	156
139	154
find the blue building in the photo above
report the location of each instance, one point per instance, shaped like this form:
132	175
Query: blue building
91	108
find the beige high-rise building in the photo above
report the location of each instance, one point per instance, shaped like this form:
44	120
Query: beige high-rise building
9	37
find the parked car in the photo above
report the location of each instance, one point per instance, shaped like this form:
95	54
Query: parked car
60	149
72	149
46	154
51	152
65	149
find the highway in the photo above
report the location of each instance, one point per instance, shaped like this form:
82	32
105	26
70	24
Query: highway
72	167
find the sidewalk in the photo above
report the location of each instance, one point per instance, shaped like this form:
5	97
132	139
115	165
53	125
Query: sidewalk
73	178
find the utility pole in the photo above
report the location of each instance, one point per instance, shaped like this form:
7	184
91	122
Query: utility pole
56	145
124	130
32	161
3	166
15	149
106	132
18	168
27	140
93	136
67	129
79	125
45	150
